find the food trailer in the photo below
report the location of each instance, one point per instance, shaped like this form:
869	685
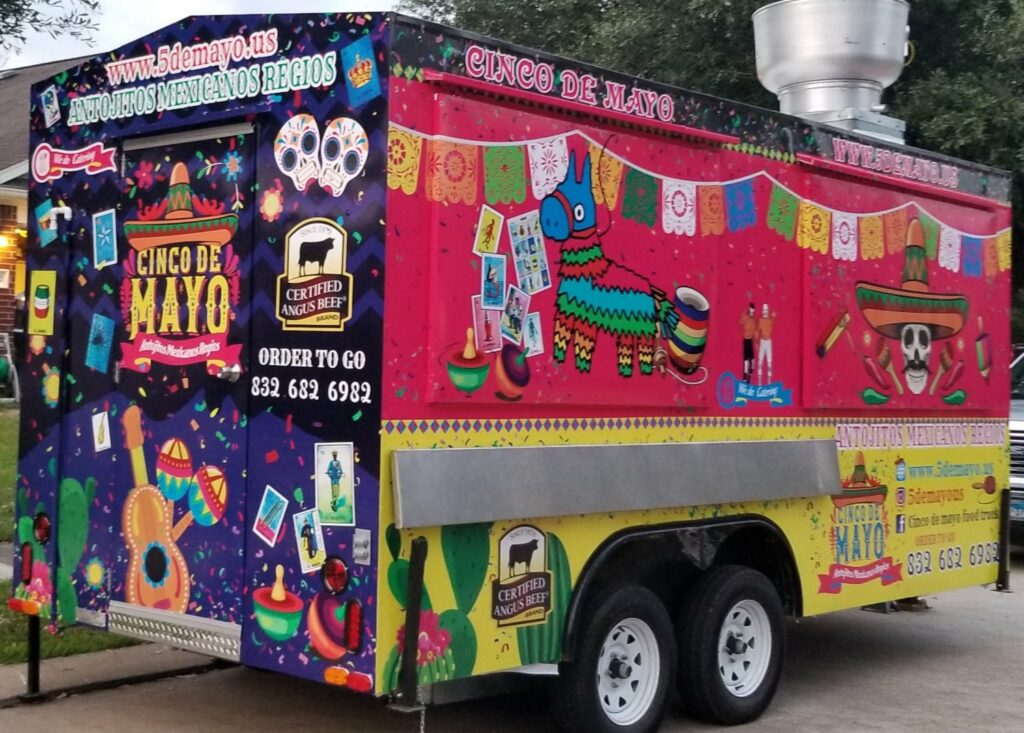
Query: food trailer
377	353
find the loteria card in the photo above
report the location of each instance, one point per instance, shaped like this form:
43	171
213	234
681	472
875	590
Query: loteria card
309	536
270	516
513	316
486	327
488	231
492	282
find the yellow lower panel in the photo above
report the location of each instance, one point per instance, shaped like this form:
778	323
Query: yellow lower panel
917	513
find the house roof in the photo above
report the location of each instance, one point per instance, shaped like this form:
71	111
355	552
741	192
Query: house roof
14	107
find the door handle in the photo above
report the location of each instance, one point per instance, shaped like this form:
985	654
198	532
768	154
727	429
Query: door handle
230	373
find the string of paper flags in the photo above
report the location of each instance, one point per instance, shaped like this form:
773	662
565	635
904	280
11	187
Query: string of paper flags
510	171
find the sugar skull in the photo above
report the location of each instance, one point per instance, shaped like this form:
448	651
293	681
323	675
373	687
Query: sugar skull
297	150
916	344
343	154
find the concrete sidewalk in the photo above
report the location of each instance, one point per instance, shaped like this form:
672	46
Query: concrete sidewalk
100	670
96	670
6	558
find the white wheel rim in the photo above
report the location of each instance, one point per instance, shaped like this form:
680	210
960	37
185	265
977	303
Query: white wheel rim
744	648
628	670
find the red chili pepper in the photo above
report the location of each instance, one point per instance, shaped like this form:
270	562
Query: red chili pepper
875	372
954	375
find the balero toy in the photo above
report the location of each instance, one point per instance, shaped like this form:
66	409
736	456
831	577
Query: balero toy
377	353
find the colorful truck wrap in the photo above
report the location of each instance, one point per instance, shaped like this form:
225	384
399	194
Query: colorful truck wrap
307	292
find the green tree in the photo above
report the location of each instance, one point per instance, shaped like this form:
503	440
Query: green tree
707	45
74	18
960	94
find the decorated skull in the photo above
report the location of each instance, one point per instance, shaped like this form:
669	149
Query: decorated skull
343	153
916	344
297	150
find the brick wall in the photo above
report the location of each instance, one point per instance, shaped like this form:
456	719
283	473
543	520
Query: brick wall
10	259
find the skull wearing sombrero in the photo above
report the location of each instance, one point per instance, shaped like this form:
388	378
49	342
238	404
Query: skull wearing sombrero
913	314
180	224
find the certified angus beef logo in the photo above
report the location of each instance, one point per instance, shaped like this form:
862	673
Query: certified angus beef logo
522	592
315	291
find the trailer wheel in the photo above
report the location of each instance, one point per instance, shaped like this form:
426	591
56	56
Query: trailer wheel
731	639
622	673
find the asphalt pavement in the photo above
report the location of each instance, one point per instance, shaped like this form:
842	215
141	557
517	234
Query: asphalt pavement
955	667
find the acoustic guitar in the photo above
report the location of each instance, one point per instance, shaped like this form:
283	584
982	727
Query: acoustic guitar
158	575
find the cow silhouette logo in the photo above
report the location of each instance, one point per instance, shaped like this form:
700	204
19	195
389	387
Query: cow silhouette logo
314	252
315	291
521	594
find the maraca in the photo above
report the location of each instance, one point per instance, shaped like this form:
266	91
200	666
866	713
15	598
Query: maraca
207	499
173	469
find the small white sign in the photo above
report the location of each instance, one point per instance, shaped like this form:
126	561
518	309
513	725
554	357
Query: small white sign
101	431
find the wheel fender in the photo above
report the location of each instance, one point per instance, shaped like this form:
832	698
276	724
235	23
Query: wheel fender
698	542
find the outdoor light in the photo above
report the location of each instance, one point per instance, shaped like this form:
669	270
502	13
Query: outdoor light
41	527
353	625
26	563
334	575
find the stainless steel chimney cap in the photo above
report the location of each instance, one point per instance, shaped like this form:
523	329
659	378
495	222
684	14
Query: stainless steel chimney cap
823	55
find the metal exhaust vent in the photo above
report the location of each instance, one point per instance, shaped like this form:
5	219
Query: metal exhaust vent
830	60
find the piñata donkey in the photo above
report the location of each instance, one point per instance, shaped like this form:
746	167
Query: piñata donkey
594	292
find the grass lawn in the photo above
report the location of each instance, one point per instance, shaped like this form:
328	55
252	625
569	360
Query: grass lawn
76	640
8	471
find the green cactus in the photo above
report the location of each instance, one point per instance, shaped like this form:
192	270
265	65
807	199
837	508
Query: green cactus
543	642
394	541
73	530
26	535
398	581
463	641
391	670
438	669
26	532
22	500
72	533
466	549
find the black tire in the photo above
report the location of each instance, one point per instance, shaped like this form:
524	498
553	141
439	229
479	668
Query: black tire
712	603
578	689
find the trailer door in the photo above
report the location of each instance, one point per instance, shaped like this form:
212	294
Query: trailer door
184	241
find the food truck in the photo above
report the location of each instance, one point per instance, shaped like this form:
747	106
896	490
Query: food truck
381	354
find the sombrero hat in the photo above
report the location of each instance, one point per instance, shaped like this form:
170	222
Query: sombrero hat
888	309
860	488
179	223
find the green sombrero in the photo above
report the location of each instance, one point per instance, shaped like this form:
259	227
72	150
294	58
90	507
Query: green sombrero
888	309
179	223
